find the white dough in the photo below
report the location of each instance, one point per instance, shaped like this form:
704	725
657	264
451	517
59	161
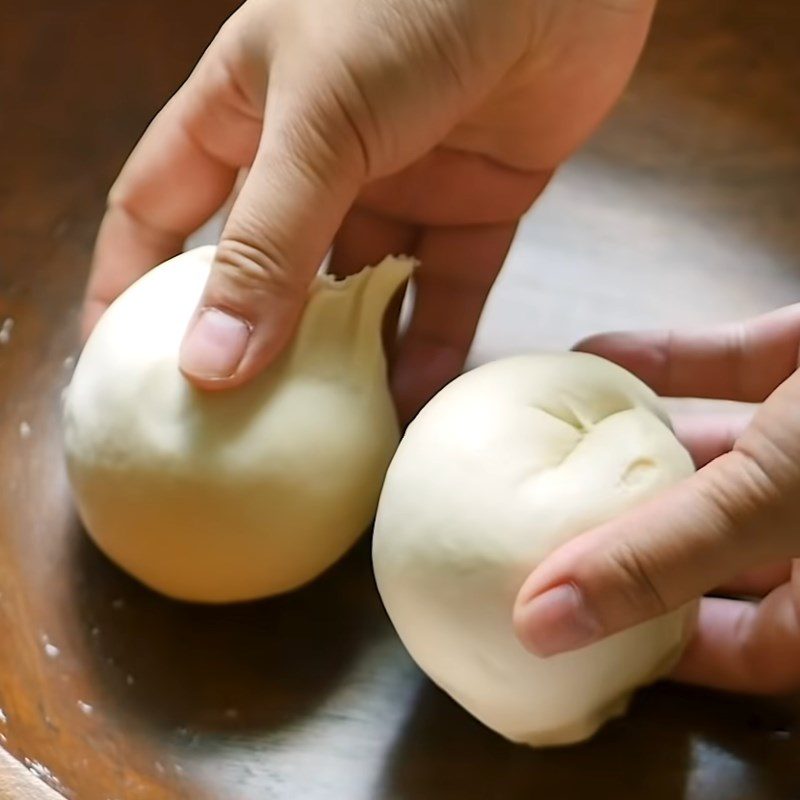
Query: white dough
500	468
227	496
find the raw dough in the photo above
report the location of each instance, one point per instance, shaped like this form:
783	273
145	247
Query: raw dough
505	464
227	496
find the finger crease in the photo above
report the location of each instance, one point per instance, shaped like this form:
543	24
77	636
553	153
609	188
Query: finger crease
166	236
635	568
361	142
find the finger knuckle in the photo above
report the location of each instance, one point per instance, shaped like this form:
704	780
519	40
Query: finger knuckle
256	269
636	580
740	491
329	143
122	207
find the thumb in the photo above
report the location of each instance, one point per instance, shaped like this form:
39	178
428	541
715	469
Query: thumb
305	176
651	560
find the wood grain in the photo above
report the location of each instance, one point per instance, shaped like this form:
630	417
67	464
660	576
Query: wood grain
683	209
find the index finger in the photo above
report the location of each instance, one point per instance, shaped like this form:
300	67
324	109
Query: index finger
744	361
180	173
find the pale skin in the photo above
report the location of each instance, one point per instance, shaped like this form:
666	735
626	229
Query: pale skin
430	126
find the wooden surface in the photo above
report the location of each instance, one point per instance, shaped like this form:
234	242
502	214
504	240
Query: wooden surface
25	780
684	209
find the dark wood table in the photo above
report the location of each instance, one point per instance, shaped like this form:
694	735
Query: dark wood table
110	692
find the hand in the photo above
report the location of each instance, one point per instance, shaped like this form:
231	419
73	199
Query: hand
377	126
733	528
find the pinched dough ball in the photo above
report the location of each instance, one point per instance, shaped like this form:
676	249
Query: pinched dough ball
226	496
504	465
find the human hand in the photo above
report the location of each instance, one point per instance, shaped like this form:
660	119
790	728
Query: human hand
378	126
733	528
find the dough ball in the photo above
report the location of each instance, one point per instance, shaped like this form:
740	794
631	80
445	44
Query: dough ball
235	495
504	465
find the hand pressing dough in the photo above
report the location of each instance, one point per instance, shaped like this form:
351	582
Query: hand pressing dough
228	496
504	465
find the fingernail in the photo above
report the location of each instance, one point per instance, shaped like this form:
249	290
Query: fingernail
557	621
214	345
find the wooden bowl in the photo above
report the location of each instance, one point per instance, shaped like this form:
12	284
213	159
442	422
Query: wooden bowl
684	209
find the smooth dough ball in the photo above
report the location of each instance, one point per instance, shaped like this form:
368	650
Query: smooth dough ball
504	465
228	496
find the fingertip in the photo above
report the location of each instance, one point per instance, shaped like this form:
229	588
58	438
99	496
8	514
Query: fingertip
520	617
223	350
556	621
247	315
591	344
551	614
214	347
612	343
642	354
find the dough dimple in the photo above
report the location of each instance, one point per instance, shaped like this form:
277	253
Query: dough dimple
636	470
